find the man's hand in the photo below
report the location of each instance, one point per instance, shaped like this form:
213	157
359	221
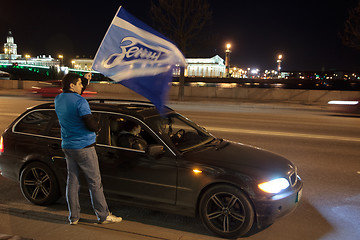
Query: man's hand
88	77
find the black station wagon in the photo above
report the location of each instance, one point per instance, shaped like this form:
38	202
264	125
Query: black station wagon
183	169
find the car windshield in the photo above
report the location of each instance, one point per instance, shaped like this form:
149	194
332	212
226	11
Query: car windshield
182	132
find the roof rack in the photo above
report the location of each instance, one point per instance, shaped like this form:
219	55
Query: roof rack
102	100
123	101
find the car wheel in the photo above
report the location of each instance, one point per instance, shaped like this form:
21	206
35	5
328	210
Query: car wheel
38	184
226	211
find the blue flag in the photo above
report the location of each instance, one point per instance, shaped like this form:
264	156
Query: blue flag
138	57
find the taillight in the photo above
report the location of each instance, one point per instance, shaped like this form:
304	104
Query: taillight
1	145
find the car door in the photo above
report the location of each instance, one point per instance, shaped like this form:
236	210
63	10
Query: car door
131	172
53	144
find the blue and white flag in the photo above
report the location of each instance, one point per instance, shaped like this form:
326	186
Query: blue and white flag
138	57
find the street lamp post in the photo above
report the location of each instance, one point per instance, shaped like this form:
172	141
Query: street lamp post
279	60
27	56
227	59
61	57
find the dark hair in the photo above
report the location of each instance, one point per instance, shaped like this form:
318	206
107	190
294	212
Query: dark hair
69	78
129	125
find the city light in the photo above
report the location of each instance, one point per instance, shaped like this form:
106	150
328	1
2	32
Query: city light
61	57
214	67
279	60
27	56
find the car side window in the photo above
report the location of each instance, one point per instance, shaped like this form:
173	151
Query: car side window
128	133
55	129
35	122
184	134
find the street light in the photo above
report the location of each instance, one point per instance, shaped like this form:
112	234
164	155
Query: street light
227	59
279	60
61	57
27	56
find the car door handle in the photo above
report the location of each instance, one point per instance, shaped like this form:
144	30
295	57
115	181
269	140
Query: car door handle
57	158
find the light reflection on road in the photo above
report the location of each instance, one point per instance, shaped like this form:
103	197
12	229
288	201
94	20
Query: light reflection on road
283	134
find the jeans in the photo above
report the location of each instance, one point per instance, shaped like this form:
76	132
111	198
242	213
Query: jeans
86	159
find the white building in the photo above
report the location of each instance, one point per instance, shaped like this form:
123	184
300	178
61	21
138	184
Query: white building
205	67
196	67
10	48
43	61
82	63
10	56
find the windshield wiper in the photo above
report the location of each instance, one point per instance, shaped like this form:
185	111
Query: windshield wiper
222	146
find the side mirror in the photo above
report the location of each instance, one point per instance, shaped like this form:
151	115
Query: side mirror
154	150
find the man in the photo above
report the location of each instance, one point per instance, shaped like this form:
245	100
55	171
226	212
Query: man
129	136
78	133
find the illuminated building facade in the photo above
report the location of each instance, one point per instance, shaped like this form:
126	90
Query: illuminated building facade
10	56
196	67
10	48
205	67
82	63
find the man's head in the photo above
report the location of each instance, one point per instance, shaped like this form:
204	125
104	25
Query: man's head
72	82
132	127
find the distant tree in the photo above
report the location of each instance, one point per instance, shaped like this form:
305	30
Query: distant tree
181	21
351	35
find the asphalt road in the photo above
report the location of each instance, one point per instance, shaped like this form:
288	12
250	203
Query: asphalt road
324	146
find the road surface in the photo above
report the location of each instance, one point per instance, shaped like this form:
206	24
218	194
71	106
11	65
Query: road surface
324	146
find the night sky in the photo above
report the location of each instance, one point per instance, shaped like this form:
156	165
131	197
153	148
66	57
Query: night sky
305	32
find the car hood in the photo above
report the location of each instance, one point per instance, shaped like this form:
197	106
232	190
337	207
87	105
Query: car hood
242	158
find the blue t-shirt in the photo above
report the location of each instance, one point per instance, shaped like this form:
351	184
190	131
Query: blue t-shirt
70	107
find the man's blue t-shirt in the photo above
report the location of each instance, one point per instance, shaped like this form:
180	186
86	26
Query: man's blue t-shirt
70	107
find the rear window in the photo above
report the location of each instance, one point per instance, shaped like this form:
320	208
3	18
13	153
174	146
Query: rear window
55	129
35	122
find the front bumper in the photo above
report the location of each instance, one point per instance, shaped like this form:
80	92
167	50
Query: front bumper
268	209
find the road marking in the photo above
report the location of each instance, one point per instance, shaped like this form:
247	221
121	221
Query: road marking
284	134
9	114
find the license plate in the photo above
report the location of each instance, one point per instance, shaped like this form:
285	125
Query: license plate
298	196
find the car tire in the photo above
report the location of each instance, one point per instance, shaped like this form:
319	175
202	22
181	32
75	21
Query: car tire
226	211
39	184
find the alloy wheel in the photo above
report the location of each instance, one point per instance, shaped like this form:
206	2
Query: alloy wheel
37	183
225	211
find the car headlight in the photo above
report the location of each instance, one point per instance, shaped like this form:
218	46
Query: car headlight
274	186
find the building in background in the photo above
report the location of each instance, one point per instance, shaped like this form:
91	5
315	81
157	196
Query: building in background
213	67
196	67
205	67
82	63
10	48
10	56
